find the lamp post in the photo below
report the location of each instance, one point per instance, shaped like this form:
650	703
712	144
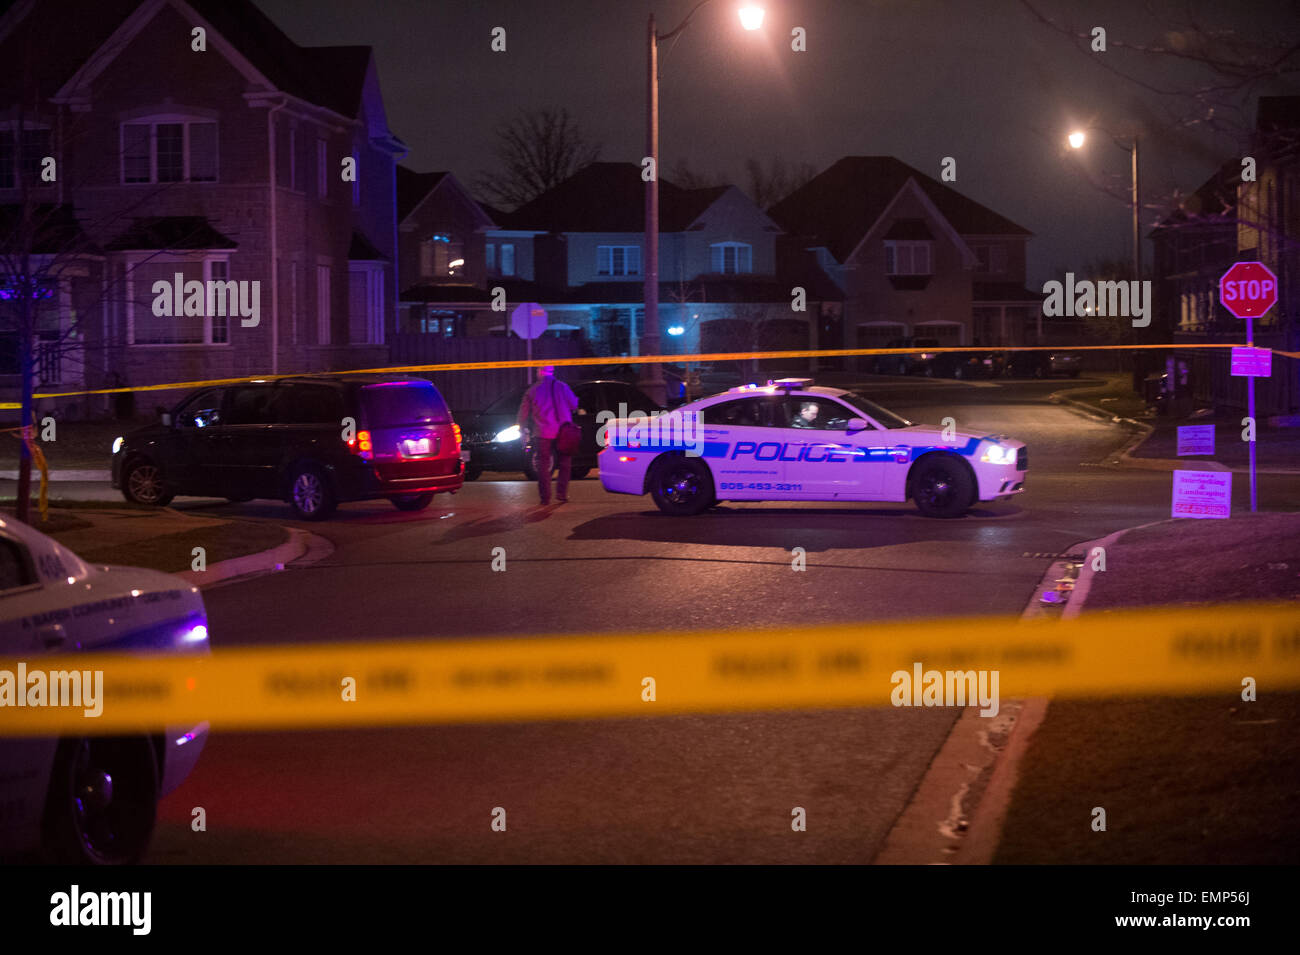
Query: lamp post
1076	140
652	378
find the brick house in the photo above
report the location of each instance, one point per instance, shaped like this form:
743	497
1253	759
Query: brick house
725	279
913	257
218	155
1229	220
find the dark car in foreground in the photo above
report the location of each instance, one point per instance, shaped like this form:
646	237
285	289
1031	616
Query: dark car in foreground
1043	364
311	442
495	442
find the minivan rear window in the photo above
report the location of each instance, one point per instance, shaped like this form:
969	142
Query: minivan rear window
403	403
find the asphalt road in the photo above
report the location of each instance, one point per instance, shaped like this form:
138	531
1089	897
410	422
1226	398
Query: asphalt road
676	789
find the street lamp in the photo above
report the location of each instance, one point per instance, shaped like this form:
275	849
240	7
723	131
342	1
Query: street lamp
652	381
1076	140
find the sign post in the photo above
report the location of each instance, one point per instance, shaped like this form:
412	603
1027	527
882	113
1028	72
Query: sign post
528	321
1248	290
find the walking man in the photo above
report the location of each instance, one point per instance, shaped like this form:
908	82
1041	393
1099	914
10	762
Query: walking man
547	405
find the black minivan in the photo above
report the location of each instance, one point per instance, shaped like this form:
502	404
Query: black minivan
312	442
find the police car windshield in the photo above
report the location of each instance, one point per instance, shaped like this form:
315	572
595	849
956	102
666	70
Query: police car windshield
887	419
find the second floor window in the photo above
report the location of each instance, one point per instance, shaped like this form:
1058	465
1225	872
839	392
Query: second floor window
618	260
907	258
180	151
16	168
442	255
732	258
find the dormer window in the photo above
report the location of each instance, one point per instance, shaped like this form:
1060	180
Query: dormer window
732	258
16	168
907	257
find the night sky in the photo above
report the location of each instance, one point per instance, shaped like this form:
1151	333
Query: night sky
980	81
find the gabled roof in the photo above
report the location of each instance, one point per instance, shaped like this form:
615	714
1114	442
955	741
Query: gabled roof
412	187
841	204
1216	199
362	249
609	197
67	34
154	233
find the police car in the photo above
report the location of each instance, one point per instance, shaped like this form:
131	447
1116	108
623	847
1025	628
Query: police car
794	441
87	799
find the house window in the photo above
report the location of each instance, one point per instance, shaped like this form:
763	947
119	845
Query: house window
990	259
322	304
490	257
15	168
618	260
507	258
170	150
442	323
907	258
151	290
322	173
366	305
442	255
732	258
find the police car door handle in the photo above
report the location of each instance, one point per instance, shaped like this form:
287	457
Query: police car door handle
51	635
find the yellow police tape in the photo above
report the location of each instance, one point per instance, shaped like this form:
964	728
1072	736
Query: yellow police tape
1208	650
623	360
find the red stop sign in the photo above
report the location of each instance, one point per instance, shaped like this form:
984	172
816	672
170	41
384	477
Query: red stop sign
1248	289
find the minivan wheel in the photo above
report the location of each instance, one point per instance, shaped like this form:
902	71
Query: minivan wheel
412	502
102	801
942	487
142	483
310	494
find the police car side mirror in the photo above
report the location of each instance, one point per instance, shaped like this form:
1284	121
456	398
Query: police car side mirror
857	424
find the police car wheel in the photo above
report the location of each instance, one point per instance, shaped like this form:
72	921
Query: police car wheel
102	801
682	486
310	494
942	487
412	502
473	474
143	483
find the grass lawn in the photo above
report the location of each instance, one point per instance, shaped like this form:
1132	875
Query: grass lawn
1115	397
174	552
1183	781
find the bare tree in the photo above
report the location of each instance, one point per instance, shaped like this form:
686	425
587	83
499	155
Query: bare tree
682	174
768	185
535	150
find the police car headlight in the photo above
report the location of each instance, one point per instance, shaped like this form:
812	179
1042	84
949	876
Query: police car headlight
511	433
997	454
117	445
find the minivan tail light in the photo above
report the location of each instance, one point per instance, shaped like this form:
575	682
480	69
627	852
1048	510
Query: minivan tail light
363	445
455	430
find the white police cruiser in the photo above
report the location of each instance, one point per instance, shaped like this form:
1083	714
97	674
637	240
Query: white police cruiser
87	799
793	441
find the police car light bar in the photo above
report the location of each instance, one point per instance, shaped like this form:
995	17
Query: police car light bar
789	383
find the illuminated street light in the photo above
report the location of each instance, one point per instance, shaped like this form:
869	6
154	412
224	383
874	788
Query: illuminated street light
652	382
1076	139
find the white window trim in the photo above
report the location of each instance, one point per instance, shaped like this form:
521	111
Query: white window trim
153	120
723	246
324	334
629	252
895	245
511	256
132	302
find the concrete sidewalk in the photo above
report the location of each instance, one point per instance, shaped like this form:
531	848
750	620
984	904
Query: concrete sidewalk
1154	446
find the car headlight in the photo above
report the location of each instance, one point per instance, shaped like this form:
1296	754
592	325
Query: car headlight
997	454
117	444
511	433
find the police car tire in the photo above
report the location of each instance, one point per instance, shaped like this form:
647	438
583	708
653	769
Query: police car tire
677	470
473	474
412	502
958	492
76	831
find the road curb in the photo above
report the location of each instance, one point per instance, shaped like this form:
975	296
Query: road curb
956	814
69	474
299	544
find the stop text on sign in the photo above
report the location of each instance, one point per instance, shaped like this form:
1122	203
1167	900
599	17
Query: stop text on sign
1248	290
